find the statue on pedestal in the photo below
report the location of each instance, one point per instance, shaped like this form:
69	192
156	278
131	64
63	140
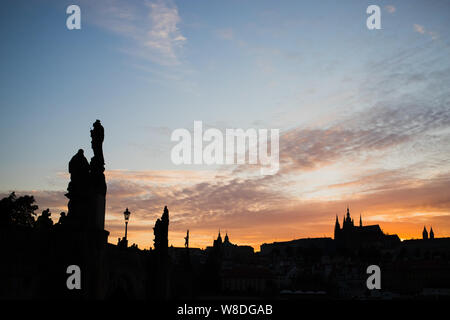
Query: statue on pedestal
87	186
186	240
161	231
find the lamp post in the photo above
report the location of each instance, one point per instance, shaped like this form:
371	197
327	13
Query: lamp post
126	215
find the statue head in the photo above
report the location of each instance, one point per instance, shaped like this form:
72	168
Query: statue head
97	133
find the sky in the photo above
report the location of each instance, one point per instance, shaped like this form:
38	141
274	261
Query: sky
364	115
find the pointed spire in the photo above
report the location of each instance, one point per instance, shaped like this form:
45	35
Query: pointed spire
431	233
360	220
424	233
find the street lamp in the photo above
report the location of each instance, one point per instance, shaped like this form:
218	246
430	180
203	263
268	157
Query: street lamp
126	215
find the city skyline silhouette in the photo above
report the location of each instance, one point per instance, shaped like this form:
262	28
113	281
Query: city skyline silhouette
300	269
186	149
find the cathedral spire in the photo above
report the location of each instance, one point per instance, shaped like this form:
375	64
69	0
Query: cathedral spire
360	220
337	228
431	233
424	233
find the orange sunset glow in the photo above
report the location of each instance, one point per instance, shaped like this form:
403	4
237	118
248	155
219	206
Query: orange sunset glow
321	173
363	114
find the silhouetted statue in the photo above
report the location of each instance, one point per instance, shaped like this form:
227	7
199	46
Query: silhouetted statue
161	232
161	243
186	240
62	218
78	167
44	222
78	189
98	183
97	164
87	186
97	135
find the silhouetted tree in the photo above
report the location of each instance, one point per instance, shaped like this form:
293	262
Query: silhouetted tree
17	211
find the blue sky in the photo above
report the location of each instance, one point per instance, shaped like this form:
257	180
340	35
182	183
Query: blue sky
146	68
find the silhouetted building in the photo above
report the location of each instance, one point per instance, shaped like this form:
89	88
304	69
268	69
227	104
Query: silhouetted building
290	248
351	236
230	251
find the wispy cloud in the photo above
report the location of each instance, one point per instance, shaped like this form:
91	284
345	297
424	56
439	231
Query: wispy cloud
390	8
419	28
164	35
152	27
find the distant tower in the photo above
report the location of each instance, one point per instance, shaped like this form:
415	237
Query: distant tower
431	233
348	221
226	239
424	233
219	239
360	220
337	228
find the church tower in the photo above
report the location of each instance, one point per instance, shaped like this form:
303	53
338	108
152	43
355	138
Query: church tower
424	233
337	228
226	239
360	220
348	221
219	239
431	233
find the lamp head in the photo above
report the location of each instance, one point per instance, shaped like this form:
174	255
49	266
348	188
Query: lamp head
126	215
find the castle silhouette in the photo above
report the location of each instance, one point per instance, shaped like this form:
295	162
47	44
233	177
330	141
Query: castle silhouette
36	255
356	236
